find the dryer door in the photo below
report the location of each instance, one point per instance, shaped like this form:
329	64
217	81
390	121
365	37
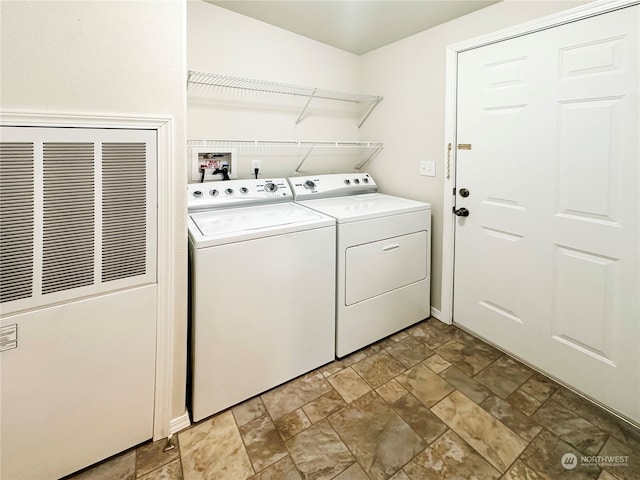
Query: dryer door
379	267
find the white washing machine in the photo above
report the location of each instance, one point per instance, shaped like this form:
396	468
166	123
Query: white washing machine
262	290
383	256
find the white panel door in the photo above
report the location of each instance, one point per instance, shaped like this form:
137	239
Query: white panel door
547	263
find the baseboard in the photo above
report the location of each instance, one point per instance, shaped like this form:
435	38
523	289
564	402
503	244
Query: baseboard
180	423
435	313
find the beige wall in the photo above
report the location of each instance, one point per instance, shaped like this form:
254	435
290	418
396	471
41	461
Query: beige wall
410	74
225	42
105	58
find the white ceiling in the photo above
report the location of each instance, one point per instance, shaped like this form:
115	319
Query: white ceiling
357	26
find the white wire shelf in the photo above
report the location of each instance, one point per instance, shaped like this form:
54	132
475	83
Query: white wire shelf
368	150
203	79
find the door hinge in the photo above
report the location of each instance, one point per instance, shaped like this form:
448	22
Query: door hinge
454	191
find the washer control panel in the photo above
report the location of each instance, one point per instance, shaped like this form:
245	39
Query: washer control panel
331	185
211	195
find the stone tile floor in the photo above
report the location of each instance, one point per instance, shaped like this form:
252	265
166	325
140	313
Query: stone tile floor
430	402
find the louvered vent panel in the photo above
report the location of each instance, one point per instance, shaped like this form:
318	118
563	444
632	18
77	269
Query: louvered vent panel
69	216
124	210
16	220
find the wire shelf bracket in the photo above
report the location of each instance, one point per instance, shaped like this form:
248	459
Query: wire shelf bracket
369	102
369	149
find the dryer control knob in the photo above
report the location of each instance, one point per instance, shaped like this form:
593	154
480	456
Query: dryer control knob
244	190
309	184
356	181
214	192
197	194
229	191
270	187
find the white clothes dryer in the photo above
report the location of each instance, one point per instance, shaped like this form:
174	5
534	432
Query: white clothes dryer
262	284
383	256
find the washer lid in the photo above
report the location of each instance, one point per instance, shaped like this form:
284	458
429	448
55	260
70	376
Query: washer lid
363	207
239	224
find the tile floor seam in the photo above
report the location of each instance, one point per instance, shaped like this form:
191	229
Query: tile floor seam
604	444
160	468
253	467
484	368
356	458
423	450
528	443
344	441
285	446
544	428
244	445
608	434
522	453
293	436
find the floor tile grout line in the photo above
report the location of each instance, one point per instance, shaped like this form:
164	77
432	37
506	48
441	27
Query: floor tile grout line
549	398
177	459
256	472
522	453
343	440
244	445
497	420
424	449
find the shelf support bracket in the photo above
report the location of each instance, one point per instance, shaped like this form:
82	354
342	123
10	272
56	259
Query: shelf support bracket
368	157
306	105
304	159
372	107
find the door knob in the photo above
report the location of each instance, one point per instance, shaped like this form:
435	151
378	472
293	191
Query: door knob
464	192
461	212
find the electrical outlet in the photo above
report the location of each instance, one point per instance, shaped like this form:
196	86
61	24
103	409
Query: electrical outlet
255	163
428	168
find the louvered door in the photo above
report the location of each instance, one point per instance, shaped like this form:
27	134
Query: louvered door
78	296
77	213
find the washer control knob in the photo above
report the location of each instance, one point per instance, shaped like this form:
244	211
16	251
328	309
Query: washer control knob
197	194
214	192
365	180
244	190
356	181
309	184
270	187
229	191
347	182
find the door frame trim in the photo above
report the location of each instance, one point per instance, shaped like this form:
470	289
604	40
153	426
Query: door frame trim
451	82
168	199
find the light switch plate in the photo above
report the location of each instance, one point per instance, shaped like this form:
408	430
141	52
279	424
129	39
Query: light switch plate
428	168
